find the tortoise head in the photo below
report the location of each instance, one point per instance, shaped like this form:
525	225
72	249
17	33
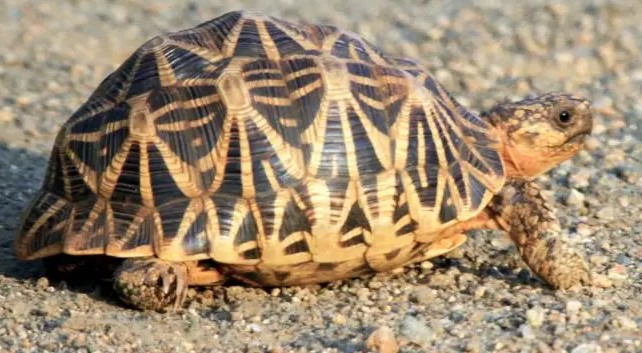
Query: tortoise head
539	133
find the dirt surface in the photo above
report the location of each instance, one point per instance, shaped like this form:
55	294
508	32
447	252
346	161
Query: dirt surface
478	299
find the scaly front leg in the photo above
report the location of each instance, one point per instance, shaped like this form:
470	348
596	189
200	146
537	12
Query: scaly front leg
521	210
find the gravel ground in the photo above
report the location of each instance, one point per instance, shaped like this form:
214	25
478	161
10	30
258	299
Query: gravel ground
478	299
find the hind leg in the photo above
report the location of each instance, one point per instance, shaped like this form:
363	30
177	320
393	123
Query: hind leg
154	284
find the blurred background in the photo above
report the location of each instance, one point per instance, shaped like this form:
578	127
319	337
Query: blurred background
55	52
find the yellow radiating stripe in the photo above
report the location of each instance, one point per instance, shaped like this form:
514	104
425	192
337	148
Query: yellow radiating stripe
442	159
107	181
354	232
95	212
136	225
276	101
90	114
289	122
402	222
267	42
402	81
248	245
371	102
292	238
313	70
97	135
399	132
145	176
380	142
330	40
269	173
366	81
210	54
212	227
189	104
219	154
233	38
264	83
189	216
175	126
301	92
306	44
51	210
421	155
269	71
127	82
88	175
378	59
353	52
348	140
186	177
277	143
166	74
247	172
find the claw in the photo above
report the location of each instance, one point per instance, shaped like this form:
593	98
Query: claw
167	278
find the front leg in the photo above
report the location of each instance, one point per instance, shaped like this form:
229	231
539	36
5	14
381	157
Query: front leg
521	210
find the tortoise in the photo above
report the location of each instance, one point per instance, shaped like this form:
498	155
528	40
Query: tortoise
278	153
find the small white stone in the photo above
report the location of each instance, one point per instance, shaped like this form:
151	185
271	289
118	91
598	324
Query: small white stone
535	316
415	330
339	319
479	292
573	306
590	347
527	332
382	340
627	323
575	198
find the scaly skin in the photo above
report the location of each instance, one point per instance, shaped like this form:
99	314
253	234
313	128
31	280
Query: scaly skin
521	210
151	283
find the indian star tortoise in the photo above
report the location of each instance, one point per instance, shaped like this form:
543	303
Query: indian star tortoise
279	154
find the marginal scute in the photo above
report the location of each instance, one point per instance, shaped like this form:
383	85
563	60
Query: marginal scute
281	152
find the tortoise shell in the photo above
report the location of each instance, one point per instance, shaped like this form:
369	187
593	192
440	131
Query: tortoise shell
263	144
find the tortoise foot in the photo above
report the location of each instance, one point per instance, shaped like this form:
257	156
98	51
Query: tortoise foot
151	284
556	262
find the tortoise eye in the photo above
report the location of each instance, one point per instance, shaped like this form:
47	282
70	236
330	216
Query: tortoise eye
565	117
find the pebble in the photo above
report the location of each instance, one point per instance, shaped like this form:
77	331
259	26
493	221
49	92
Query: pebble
42	283
480	292
423	295
535	316
575	198
579	179
426	266
626	323
584	230
573	306
339	319
606	213
602	281
382	340
442	280
617	272
415	330
236	316
590	347
6	115
527	332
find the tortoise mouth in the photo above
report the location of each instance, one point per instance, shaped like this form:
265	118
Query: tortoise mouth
578	138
